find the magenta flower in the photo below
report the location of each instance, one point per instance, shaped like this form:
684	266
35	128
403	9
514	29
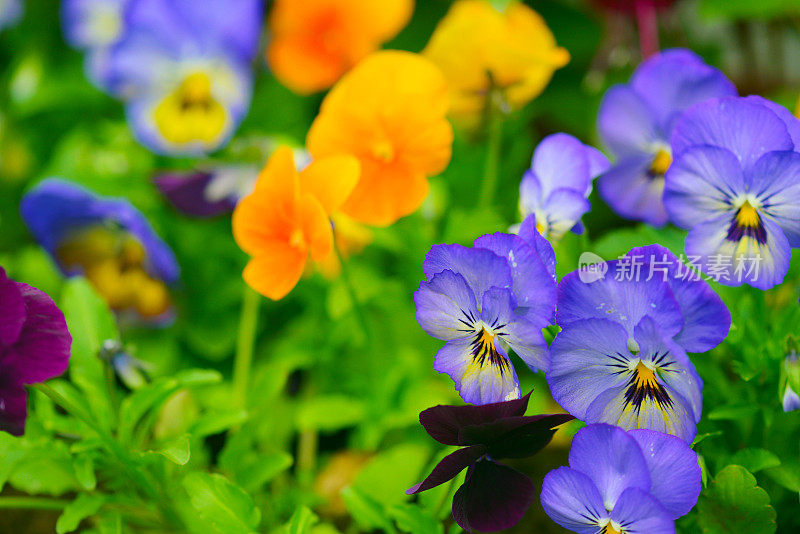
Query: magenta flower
34	346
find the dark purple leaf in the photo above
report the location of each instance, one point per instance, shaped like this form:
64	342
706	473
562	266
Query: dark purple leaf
449	467
493	497
444	422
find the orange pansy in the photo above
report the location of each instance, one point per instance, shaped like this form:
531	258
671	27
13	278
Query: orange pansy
314	42
389	112
476	43
287	217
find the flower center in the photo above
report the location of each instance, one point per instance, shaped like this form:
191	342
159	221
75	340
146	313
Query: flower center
297	239
114	263
383	150
660	164
485	351
747	223
190	112
611	528
643	385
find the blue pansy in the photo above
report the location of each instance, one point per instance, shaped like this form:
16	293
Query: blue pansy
734	185
622	482
94	26
184	69
790	375
636	120
108	241
10	12
556	187
483	300
621	355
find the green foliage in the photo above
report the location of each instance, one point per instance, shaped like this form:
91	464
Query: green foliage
733	500
225	507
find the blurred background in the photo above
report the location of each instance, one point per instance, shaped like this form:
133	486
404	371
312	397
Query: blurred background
331	419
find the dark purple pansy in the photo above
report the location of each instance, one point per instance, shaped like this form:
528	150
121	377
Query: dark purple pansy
636	120
493	496
622	482
189	194
34	346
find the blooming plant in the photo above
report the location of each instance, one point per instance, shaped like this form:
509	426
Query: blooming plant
292	267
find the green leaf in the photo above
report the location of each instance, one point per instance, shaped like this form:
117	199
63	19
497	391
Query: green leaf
301	521
368	513
91	323
84	471
87	504
177	450
388	475
142	401
414	519
754	459
223	505
331	412
748	9
732	500
733	413
787	475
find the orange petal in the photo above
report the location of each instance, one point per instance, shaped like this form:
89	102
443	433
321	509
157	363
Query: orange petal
317	230
331	180
278	180
386	194
258	220
275	272
302	67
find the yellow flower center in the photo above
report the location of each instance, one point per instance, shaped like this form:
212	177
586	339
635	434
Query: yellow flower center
661	163
644	385
297	239
609	528
114	263
747	216
383	150
191	113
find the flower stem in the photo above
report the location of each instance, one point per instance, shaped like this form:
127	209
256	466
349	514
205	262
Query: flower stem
494	141
351	289
647	22
32	503
245	345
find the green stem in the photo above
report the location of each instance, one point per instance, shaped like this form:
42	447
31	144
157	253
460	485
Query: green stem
32	503
245	345
351	289
494	142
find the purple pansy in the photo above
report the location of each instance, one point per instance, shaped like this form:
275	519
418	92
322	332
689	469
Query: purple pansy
483	300
493	496
207	193
636	121
107	240
621	355
94	26
183	68
790	375
734	185
10	13
34	346
622	482
556	187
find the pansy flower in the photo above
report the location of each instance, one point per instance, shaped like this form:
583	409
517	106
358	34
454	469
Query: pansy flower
556	187
183	69
287	218
389	112
108	241
34	346
483	301
493	496
314	42
790	376
94	26
636	121
622	482
621	355
10	12
480	47
734	185
206	193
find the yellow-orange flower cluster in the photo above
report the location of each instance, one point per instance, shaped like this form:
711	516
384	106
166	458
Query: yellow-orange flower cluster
390	113
477	46
287	218
314	42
